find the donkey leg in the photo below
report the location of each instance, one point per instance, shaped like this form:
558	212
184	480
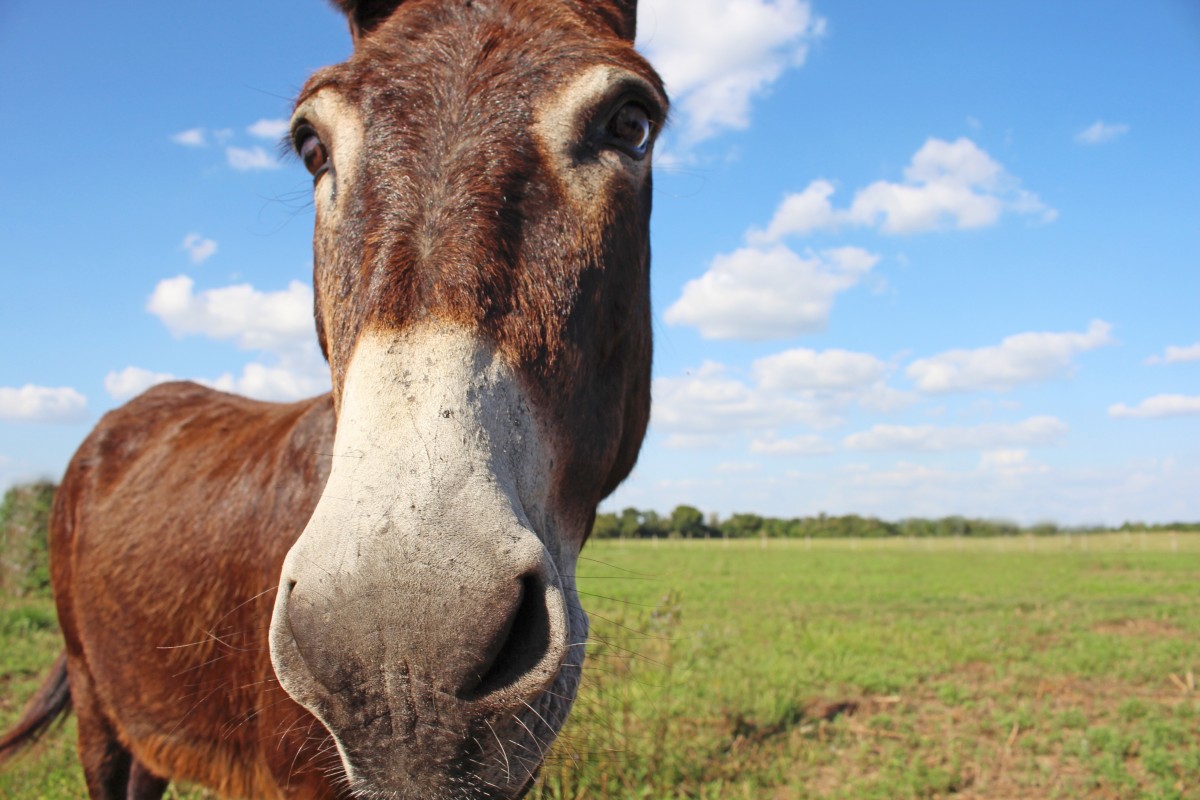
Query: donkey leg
144	784
106	763
111	771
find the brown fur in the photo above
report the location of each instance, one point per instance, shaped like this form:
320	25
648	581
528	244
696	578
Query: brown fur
175	515
168	535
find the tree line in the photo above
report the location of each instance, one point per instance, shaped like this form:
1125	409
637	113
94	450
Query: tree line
25	514
688	522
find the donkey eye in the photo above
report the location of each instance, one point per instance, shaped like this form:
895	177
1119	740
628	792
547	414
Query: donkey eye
629	130
312	151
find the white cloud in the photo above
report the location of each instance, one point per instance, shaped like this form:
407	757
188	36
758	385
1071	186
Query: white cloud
42	404
834	377
255	158
710	402
754	294
1175	354
253	319
1022	358
297	375
1162	405
803	445
1002	459
199	249
709	407
804	370
269	128
902	476
1010	464
716	56
801	213
278	323
1101	131
294	379
1022	490
884	399
731	467
192	137
947	184
954	180
1042	430
132	381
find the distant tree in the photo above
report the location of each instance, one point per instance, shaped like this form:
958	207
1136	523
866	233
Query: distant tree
606	526
653	526
1044	529
742	526
951	526
24	535
1004	528
630	523
688	522
774	528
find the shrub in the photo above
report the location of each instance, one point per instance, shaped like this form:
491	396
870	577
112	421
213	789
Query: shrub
24	525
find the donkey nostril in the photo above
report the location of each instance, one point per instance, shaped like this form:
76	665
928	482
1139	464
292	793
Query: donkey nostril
519	647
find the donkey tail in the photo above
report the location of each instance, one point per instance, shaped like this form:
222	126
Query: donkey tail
52	701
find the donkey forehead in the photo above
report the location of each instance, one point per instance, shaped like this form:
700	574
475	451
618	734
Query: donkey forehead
443	55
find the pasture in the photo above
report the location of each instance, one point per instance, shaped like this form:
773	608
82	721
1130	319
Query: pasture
998	668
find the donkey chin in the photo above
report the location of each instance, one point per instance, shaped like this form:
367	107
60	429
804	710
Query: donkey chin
433	632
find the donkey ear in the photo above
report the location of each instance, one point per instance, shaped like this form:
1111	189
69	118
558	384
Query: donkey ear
622	15
365	16
619	16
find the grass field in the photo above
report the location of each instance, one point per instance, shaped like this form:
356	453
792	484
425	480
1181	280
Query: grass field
1005	668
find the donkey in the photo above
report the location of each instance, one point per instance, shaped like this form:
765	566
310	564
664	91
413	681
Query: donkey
371	593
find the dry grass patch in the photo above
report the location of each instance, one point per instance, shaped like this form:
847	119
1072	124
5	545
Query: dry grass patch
1138	627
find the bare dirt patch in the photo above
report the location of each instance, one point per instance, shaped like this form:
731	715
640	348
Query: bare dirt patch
1057	737
1137	627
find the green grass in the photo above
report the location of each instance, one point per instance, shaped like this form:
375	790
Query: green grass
1028	668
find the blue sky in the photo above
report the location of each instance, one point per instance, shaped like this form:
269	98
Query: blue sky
909	258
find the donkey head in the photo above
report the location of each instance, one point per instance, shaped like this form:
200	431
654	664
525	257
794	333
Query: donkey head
482	188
